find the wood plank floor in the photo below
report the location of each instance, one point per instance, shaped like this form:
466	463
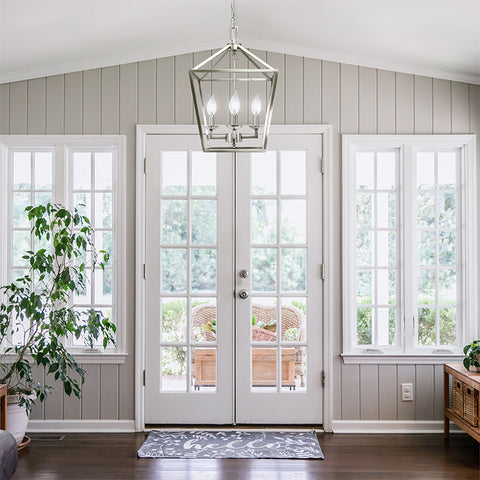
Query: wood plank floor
347	457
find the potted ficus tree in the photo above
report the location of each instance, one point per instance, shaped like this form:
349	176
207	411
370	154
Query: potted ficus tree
37	311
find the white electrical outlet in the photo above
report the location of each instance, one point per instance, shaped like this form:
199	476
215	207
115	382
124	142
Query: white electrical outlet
407	392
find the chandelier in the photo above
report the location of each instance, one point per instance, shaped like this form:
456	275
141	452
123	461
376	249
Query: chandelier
223	86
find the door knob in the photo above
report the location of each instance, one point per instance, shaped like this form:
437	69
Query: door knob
243	273
243	294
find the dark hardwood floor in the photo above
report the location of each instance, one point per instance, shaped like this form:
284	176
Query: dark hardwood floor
347	457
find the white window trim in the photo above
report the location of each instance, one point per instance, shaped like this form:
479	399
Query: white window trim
62	144
467	144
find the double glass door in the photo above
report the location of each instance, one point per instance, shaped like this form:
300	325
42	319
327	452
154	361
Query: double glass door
233	283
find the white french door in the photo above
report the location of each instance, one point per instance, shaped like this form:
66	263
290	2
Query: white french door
233	283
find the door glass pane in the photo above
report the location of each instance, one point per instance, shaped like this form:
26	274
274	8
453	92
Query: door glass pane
174	222
103	210
83	203
204	173
174	319
447	210
264	319
264	173
293	319
294	221
364	204
289	365
448	326
21	243
293	271
425	209
204	320
293	173
264	369
447	248
204	369
103	286
264	276
204	222
264	221
174	173
204	270
447	282
426	326
365	287
174	270
173	368
20	217
426	248
364	248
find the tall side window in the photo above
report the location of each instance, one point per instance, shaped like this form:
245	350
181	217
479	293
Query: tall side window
409	244
88	174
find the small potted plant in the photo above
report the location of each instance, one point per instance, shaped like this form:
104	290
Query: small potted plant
37	312
472	357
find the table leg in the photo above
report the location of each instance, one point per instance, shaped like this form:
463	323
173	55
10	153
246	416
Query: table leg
446	404
3	409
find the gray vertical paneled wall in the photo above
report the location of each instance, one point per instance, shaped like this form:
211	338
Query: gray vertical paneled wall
352	99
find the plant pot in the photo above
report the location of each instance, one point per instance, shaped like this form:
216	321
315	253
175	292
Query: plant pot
17	418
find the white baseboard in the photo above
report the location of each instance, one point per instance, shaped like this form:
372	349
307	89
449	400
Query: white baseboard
391	426
81	426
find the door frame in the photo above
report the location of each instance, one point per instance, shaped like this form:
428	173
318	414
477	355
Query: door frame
140	319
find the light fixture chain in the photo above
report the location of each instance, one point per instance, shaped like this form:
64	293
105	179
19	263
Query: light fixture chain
233	26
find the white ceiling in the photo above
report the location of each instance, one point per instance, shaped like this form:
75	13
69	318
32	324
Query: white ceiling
438	38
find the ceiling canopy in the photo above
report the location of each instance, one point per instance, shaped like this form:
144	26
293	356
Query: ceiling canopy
428	37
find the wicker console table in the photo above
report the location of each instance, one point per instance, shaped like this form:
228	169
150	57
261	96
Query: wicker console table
465	410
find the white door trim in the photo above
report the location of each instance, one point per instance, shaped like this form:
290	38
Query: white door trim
142	132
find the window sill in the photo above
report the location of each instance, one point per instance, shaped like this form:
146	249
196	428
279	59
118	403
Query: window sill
91	358
399	359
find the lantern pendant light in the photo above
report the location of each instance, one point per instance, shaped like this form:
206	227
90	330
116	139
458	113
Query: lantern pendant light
223	87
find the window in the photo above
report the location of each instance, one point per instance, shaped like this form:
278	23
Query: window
84	172
409	245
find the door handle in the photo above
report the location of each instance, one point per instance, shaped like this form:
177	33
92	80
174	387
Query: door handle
243	294
243	273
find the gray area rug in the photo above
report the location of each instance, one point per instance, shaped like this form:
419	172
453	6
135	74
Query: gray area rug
203	444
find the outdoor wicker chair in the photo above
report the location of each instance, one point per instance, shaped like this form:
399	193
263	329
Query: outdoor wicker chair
292	318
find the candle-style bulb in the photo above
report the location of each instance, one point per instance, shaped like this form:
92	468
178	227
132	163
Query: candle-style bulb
212	105
256	106
234	104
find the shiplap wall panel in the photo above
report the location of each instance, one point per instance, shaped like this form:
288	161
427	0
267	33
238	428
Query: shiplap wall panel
54	402
369	392
128	120
277	60
387	392
166	90
36	106
442	101
92	85
110	393
348	99
147	90
294	87
38	408
438	396
352	99
460	108
424	392
367	100
73	103
183	97
406	374
404	103
110	100
312	90
91	393
55	105
18	108
423	105
386	101
4	108
351	392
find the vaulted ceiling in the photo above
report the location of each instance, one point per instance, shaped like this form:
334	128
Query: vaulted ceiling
438	38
